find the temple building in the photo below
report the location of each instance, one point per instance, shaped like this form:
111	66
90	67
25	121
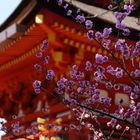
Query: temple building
21	36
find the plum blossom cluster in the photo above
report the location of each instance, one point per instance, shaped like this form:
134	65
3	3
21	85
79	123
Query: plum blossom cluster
127	50
84	87
50	75
37	84
120	16
17	128
104	35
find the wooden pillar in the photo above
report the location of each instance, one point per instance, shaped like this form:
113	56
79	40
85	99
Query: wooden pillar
74	135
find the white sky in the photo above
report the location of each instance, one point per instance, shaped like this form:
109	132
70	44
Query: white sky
6	8
2	132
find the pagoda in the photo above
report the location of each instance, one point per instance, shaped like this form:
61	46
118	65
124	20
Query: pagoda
21	37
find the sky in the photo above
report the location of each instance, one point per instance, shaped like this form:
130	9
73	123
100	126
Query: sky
2	132
6	8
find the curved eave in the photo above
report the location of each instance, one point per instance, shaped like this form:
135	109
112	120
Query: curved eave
21	12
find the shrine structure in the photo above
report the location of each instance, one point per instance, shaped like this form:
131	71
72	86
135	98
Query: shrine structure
68	45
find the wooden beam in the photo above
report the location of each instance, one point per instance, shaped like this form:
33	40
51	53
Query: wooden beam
105	15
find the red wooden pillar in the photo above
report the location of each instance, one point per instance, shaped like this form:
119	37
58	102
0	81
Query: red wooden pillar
74	135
